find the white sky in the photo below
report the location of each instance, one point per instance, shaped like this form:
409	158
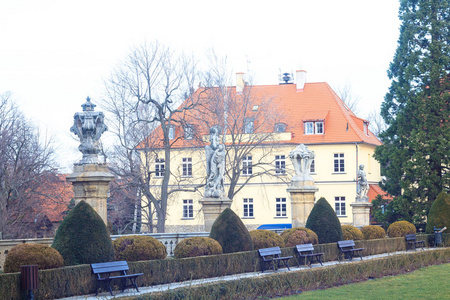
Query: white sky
55	53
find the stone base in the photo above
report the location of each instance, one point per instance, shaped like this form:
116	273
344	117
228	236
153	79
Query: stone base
212	208
361	213
91	184
302	201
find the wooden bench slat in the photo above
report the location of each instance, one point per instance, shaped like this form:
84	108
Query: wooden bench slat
114	267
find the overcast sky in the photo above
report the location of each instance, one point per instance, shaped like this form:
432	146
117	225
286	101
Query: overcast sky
55	53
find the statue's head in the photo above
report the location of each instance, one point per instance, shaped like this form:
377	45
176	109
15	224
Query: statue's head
361	167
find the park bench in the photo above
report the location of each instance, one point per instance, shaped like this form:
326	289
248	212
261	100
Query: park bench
104	270
347	248
412	242
306	252
272	257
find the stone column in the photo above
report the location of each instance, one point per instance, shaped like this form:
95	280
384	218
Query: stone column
302	201
212	208
361	213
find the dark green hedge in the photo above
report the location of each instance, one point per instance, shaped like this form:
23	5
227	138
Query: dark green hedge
78	280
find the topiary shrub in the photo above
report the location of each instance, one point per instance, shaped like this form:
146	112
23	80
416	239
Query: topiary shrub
439	215
400	228
298	236
324	222
135	248
197	246
350	232
231	233
372	232
32	254
82	237
265	239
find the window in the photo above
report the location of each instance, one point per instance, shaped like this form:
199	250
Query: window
248	207
281	207
247	168
319	127
188	132
314	127
159	167
187	166
280	127
339	205
312	168
309	127
171	132
280	164
339	163
188	209
366	128
248	125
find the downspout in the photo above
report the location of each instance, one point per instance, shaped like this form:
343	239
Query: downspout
357	167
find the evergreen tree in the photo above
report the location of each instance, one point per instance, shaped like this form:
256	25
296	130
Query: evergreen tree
324	222
414	155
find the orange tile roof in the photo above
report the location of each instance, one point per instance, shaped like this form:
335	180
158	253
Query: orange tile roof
317	101
375	190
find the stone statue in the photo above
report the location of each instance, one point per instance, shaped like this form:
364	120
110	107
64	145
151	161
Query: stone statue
362	186
215	166
302	159
89	126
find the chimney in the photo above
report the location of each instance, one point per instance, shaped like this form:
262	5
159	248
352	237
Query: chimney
240	83
300	79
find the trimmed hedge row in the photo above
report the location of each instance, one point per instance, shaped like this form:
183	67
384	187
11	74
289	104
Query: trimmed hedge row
78	280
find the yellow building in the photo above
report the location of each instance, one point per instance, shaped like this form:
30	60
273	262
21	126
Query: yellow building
274	119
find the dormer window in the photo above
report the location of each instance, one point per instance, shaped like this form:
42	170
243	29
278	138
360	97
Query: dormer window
248	125
171	132
189	131
316	127
280	127
366	128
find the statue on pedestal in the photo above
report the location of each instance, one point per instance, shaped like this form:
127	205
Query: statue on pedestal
215	166
302	159
362	186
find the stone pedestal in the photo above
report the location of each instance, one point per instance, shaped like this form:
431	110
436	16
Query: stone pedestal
91	184
212	208
361	213
302	201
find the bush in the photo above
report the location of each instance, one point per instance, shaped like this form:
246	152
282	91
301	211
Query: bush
350	232
32	254
373	232
135	248
439	215
82	237
298	236
231	233
400	228
324	222
265	239
197	246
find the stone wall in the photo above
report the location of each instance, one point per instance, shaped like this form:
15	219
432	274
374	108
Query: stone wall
6	245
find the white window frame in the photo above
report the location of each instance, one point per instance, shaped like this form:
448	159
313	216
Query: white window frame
339	163
319	127
171	132
248	211
280	164
249	125
339	206
247	165
160	166
188	209
366	128
187	167
309	127
312	167
281	207
280	127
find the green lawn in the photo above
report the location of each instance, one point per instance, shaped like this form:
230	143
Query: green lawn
426	283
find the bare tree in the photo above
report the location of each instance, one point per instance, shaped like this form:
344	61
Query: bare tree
350	99
376	122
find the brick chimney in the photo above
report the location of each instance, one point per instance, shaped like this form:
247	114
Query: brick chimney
300	80
240	83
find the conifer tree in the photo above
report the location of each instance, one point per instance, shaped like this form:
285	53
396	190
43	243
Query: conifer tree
415	151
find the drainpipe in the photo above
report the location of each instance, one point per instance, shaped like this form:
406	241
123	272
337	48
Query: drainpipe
357	166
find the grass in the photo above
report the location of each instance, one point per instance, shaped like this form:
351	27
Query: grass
425	283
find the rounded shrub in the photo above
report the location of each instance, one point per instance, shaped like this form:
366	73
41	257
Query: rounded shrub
324	222
298	236
400	228
82	237
372	232
265	239
135	248
197	246
231	233
439	215
350	232
32	254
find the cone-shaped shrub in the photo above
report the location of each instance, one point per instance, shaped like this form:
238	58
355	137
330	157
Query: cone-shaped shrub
231	233
400	228
299	236
265	239
197	246
324	222
372	232
350	232
32	254
135	248
439	215
82	237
